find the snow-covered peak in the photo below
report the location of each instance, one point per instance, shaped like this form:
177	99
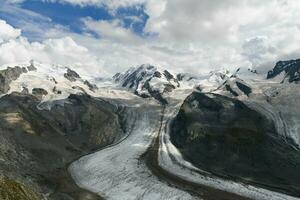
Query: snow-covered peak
45	81
205	82
214	80
148	81
220	76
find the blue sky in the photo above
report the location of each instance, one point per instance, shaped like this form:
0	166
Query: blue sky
70	16
66	14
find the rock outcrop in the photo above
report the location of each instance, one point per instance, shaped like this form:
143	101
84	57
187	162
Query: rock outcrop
290	68
39	92
91	86
8	75
236	87
71	75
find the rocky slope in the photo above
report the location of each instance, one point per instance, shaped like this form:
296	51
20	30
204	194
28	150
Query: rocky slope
46	122
13	190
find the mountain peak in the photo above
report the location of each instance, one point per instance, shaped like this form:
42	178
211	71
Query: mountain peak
48	82
148	81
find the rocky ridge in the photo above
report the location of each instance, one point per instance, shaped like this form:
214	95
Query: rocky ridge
290	68
148	81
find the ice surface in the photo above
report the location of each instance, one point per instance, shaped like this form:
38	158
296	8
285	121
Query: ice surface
117	173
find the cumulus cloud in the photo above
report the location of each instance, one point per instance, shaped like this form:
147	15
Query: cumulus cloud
63	51
228	24
257	49
7	32
112	29
203	35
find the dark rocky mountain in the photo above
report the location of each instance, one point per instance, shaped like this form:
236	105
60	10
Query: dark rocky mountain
71	75
290	68
225	137
92	87
11	74
37	145
8	75
148	81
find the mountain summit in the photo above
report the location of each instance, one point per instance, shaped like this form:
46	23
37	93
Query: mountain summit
148	81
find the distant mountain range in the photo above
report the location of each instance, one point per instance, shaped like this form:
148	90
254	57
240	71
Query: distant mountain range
237	125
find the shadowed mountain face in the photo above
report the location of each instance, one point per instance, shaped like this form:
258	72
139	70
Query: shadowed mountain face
37	145
8	75
225	137
291	68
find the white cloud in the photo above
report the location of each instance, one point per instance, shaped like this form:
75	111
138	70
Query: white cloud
63	51
258	49
8	32
203	35
111	30
111	4
13	1
224	29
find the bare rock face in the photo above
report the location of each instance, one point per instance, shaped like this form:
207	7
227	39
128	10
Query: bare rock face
37	145
56	91
25	90
225	137
91	87
290	68
79	88
31	67
186	77
71	75
236	87
39	93
8	75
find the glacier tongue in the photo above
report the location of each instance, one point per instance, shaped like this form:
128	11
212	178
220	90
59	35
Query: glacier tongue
117	172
